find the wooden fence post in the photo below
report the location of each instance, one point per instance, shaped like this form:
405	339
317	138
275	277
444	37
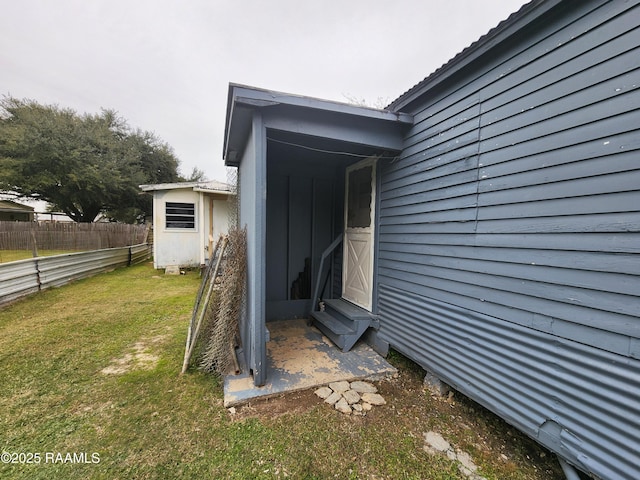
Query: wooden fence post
34	244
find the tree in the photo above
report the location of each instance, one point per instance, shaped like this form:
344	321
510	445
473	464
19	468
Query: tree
149	161
196	175
82	164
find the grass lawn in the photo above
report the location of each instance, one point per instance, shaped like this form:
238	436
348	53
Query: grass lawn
92	369
13	255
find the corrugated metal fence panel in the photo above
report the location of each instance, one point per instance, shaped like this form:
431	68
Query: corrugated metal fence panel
541	383
60	269
23	277
516	204
17	279
140	253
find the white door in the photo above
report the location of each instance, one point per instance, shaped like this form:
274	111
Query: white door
359	221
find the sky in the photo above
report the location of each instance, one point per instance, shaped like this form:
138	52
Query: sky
165	65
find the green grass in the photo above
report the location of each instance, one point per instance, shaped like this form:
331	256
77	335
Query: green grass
13	255
149	422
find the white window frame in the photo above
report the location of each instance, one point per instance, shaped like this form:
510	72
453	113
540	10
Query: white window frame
187	216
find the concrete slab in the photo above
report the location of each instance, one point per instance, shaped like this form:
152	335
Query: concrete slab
300	357
172	270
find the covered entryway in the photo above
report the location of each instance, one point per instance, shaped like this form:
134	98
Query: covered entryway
293	155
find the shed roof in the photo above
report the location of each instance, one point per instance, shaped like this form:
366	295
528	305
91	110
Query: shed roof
243	100
210	186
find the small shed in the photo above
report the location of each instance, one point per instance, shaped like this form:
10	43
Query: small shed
15	212
188	217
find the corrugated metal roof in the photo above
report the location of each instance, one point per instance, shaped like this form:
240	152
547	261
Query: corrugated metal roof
468	53
207	186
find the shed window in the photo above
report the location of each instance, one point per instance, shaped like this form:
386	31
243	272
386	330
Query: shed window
181	215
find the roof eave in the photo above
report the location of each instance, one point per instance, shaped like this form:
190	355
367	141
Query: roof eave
195	186
505	29
209	190
243	100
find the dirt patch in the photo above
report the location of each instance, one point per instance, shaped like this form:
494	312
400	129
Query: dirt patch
140	357
276	406
470	429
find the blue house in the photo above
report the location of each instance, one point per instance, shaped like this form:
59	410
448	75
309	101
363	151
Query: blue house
486	225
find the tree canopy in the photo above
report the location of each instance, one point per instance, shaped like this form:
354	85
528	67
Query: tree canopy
81	164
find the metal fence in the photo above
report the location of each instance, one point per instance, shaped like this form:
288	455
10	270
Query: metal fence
24	277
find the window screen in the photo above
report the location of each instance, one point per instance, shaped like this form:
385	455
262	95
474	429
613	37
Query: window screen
359	207
181	215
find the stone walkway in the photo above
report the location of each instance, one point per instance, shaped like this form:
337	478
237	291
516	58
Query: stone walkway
358	397
435	444
355	398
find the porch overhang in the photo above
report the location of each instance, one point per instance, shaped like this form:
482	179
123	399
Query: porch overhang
310	117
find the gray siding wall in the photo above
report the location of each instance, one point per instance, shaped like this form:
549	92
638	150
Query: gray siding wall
252	200
510	235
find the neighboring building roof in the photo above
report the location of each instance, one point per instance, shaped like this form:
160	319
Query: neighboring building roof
11	206
513	24
211	186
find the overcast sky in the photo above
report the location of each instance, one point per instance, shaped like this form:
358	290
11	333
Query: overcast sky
165	65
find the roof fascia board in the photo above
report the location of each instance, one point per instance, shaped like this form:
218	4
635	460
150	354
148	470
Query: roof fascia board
217	192
164	186
509	27
195	186
256	97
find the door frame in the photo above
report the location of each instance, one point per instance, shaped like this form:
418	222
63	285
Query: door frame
369	231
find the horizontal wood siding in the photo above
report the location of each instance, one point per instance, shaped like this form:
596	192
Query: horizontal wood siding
517	199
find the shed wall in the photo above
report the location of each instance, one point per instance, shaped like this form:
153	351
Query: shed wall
220	219
187	247
174	246
510	234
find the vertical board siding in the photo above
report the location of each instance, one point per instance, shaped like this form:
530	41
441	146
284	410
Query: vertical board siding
510	233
